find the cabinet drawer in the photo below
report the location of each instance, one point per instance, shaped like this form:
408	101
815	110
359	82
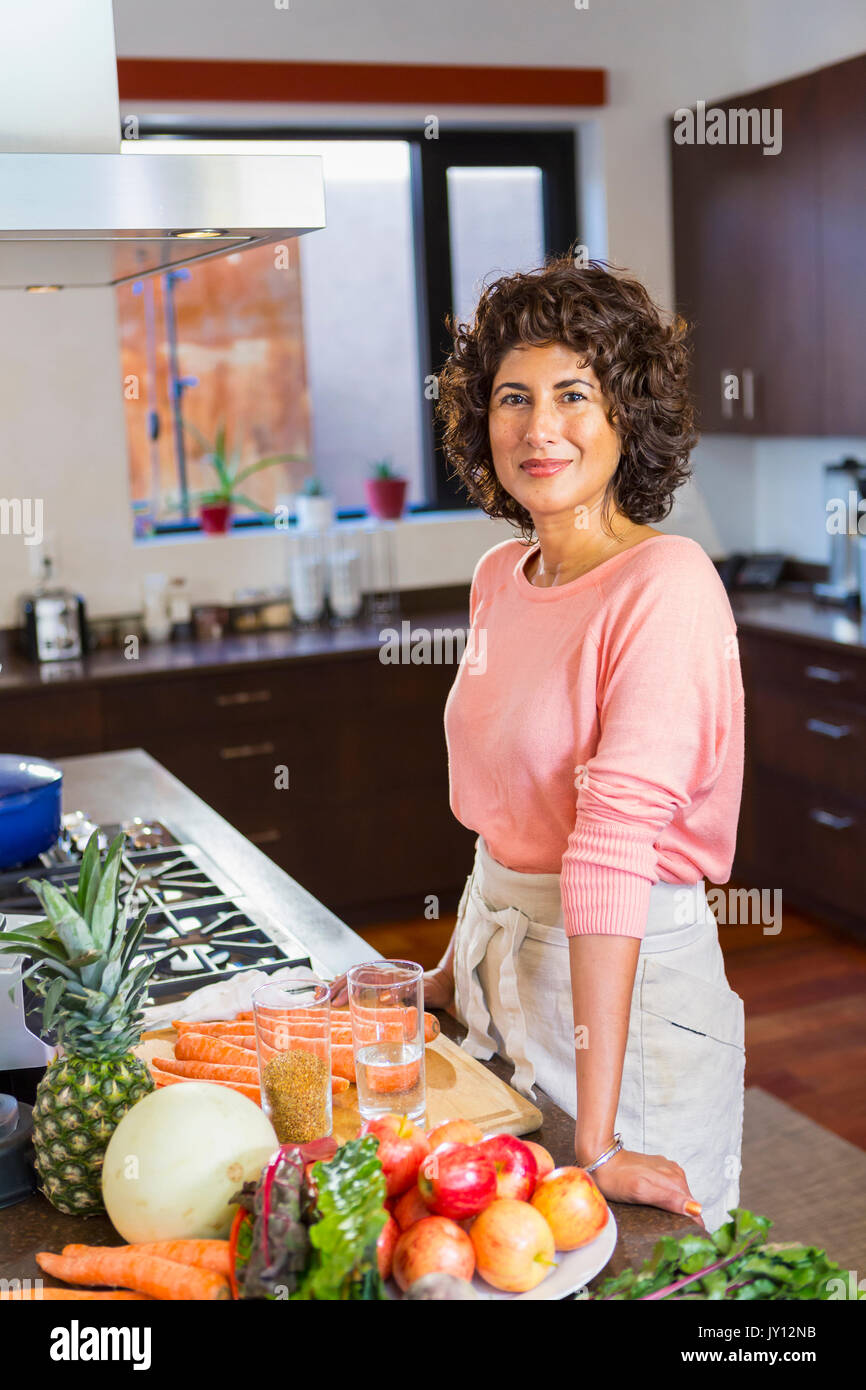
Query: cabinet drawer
52	724
221	702
809	671
813	841
321	692
810	738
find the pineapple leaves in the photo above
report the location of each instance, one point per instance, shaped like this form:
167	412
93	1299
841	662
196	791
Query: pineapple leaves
105	908
53	996
84	956
89	869
70	927
33	931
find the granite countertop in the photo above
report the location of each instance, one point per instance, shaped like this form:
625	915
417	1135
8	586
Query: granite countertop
789	612
115	785
185	658
793	613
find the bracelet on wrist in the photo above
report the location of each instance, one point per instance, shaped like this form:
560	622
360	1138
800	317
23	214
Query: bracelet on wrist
603	1157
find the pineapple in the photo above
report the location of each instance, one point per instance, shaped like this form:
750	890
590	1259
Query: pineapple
82	964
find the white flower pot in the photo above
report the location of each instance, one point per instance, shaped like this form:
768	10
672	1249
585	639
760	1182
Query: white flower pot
314	513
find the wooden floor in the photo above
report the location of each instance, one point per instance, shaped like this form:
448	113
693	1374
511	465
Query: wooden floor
804	991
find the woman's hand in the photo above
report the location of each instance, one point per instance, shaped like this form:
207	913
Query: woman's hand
438	989
647	1179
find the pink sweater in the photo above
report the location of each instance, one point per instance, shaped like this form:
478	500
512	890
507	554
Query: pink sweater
595	729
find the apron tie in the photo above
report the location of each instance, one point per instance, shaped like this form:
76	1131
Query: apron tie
472	947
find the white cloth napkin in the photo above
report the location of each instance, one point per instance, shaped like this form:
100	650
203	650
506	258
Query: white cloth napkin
224	999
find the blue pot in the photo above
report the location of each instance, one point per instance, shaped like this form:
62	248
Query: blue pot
30	807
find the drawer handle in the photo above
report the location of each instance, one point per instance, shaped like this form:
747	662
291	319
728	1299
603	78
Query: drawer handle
832	822
247	750
244	697
827	674
826	729
264	837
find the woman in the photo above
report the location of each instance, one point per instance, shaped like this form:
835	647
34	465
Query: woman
597	748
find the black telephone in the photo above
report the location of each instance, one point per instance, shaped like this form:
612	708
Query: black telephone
755	571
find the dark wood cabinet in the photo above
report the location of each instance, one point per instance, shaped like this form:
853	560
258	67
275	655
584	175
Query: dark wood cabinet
803	818
768	261
842	194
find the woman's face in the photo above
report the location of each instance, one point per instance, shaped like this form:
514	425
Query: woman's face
552	445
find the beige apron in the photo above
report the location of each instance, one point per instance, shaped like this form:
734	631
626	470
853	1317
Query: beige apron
682	1085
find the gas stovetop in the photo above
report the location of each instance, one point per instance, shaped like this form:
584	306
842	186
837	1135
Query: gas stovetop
199	927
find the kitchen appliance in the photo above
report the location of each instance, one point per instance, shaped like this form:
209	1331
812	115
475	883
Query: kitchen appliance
755	571
23	1054
80	206
17	1173
30	807
845	513
53	622
199	927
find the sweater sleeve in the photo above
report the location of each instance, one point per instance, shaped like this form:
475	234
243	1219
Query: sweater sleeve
669	677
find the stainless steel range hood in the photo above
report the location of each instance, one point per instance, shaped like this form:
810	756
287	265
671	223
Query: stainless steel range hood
79	207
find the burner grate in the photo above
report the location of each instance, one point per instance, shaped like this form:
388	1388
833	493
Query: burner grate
198	928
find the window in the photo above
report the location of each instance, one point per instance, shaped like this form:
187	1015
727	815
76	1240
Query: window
331	359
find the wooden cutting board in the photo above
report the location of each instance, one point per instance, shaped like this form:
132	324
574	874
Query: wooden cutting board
458	1087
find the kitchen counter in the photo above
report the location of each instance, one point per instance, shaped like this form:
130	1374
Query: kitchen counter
235	650
785	613
793	613
110	786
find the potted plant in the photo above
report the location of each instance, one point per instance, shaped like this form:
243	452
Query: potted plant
314	509
217	504
385	491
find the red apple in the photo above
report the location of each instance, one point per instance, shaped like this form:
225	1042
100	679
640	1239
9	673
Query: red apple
386	1245
515	1165
513	1245
432	1246
455	1132
402	1146
457	1180
543	1159
572	1206
410	1208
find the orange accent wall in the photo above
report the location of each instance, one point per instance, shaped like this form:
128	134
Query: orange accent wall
159	79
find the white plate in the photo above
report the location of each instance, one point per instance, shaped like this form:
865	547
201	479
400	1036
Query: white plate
574	1269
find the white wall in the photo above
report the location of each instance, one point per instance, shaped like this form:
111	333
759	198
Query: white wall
61	425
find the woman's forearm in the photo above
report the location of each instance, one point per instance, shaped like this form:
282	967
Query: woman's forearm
602	977
446	961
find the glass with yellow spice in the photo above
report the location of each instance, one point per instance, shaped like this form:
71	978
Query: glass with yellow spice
293	1042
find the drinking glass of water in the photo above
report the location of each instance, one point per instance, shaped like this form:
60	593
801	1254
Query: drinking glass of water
386	1005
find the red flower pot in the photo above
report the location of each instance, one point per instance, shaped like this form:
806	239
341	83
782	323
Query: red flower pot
216	517
386	497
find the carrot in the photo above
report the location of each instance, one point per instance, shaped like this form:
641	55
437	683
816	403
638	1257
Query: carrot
53	1295
165	1078
387	1079
338	1084
202	1254
197	1047
218	1029
164	1279
208	1071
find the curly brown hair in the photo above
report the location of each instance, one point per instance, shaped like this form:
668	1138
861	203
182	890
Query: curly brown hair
609	319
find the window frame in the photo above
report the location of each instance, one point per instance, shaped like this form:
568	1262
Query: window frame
550	147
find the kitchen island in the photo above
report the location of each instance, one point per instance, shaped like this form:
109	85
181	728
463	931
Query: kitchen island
111	786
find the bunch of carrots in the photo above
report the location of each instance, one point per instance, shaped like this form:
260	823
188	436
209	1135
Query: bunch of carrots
224	1051
166	1269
